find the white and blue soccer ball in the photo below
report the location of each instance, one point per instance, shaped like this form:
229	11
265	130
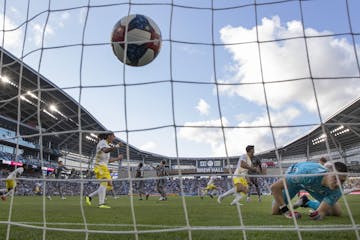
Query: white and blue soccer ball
141	38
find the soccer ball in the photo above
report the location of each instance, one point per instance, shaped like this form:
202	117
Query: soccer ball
141	38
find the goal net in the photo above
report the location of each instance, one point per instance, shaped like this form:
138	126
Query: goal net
228	74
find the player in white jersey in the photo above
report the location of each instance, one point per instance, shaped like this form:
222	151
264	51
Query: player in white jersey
102	158
239	179
11	182
210	187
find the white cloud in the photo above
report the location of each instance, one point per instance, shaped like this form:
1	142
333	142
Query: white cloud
203	107
82	15
14	10
281	60
194	131
13	38
63	17
38	29
256	132
149	146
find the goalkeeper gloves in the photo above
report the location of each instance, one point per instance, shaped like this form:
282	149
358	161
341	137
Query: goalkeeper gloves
314	215
284	210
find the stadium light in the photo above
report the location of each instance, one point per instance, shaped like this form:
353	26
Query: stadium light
53	108
336	132
73	121
6	80
22	97
93	135
90	139
342	132
51	115
319	139
337	129
33	96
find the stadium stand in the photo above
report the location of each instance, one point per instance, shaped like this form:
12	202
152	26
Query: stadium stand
61	139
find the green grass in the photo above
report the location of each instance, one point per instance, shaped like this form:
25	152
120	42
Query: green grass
156	215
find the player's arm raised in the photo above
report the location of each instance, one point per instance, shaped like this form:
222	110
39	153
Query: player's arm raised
110	149
118	158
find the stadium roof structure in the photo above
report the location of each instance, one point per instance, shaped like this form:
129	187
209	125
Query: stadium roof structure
59	119
58	111
341	132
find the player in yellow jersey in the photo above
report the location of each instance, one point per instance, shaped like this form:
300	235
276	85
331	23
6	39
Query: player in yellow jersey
11	182
102	158
210	187
239	179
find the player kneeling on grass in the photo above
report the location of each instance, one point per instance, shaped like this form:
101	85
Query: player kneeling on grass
324	188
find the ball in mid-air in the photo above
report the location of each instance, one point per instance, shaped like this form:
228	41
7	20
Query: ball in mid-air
139	36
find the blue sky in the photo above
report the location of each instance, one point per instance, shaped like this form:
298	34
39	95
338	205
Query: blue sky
189	30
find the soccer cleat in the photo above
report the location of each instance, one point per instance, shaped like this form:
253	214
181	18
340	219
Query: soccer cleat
88	200
3	198
63	198
248	199
147	196
219	199
211	195
301	202
104	206
140	198
259	199
49	197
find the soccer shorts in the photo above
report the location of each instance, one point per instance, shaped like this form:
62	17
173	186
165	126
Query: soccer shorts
102	172
241	180
210	187
10	184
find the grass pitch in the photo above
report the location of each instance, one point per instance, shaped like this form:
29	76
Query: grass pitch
208	219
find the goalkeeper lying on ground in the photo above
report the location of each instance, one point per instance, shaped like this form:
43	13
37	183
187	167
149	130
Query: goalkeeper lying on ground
324	188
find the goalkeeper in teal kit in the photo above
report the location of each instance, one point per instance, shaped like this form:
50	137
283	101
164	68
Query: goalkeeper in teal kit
323	188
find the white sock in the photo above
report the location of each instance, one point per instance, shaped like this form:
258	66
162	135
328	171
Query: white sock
9	192
95	192
102	194
228	193
238	196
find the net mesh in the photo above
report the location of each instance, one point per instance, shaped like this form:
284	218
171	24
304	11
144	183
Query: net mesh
42	36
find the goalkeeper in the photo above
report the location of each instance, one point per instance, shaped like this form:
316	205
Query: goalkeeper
324	188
